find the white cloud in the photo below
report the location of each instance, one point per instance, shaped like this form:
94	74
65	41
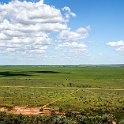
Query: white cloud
118	44
74	36
71	42
73	45
26	27
120	48
68	13
72	48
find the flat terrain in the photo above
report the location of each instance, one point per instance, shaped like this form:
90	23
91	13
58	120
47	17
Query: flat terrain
76	88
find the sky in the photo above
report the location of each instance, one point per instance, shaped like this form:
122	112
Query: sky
61	32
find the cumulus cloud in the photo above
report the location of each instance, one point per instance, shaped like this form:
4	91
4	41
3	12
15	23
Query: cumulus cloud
26	27
71	36
68	13
73	45
73	40
118	44
71	49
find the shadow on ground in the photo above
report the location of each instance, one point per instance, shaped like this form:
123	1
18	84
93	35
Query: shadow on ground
25	73
8	73
49	72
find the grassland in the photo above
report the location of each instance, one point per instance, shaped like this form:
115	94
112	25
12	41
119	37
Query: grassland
76	88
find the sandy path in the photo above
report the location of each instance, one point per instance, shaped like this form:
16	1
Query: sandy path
93	88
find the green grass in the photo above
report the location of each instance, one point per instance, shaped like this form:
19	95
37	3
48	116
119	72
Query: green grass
90	76
24	96
39	85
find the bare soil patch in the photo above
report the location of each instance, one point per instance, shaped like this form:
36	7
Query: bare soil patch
30	111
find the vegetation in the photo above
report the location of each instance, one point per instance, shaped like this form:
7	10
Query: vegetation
53	119
94	91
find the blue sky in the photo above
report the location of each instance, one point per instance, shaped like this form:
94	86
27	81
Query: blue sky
61	32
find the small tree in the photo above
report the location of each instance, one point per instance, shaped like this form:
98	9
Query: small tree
80	119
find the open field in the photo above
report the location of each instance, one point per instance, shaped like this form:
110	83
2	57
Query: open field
62	76
92	89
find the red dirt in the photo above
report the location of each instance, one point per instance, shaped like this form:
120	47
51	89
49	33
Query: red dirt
25	111
30	111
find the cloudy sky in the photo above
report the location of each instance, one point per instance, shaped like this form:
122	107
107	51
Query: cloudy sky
61	32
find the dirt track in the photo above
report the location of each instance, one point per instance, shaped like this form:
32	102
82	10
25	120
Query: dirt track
36	111
93	88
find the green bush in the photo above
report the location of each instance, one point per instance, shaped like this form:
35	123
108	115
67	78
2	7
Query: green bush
121	122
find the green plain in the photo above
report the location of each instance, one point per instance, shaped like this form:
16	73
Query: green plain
76	87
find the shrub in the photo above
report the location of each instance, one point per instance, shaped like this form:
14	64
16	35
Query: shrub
80	119
121	122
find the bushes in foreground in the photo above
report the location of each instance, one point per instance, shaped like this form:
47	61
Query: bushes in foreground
21	119
54	119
